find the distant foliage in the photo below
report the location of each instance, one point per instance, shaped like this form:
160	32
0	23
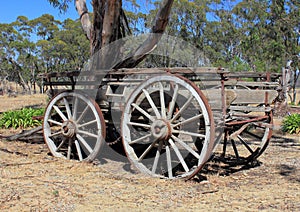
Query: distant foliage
291	124
20	118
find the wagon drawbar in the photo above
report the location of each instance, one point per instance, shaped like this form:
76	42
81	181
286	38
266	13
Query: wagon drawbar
170	121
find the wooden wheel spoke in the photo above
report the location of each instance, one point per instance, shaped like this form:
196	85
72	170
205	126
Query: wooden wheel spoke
224	145
88	133
139	124
153	106
68	109
54	122
235	149
61	144
75	108
78	150
87	123
162	100
177	152
82	114
169	162
143	112
147	151
189	133
139	139
84	143
173	101
69	149
60	113
188	120
245	143
187	147
183	108
157	155
56	133
263	125
252	134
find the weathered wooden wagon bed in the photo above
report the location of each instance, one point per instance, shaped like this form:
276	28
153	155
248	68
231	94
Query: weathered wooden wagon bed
170	121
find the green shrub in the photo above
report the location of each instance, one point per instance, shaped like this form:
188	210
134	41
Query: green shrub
291	123
20	118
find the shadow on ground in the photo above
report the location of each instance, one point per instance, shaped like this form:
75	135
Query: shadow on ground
216	165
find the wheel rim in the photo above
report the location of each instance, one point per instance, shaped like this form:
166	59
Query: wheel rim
73	127
167	127
245	142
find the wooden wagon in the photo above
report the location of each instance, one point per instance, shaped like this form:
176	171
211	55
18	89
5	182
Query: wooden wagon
169	121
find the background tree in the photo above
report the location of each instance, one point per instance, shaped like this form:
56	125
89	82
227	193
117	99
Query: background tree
109	23
270	32
30	47
239	35
17	51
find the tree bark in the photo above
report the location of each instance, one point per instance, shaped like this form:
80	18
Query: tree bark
96	37
110	24
158	28
84	17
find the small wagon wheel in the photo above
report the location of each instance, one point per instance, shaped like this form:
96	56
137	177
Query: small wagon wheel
248	135
74	126
167	127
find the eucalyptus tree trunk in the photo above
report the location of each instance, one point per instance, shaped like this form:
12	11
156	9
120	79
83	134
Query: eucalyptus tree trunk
19	71
110	24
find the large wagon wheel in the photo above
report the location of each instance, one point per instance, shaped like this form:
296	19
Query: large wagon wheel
167	127
248	135
74	126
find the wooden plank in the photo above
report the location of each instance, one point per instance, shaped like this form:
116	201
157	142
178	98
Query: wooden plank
69	83
253	96
252	74
177	70
258	84
235	82
250	108
215	99
63	83
59	74
215	83
239	96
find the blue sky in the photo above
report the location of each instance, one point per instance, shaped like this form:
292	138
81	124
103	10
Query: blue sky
11	9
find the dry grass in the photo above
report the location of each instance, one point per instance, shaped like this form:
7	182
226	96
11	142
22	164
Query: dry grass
21	101
33	180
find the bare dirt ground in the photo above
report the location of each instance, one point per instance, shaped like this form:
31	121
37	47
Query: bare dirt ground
32	180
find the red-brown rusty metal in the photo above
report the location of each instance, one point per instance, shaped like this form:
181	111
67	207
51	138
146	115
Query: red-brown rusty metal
223	95
247	121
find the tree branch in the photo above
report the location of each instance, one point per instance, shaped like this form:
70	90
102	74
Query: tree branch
19	70
84	17
158	28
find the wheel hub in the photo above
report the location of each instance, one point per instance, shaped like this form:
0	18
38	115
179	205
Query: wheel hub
68	129
161	129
